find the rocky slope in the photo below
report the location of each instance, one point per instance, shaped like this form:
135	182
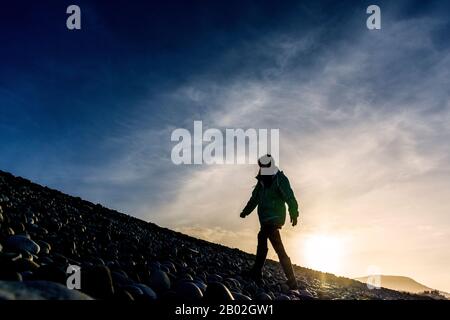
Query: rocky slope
42	231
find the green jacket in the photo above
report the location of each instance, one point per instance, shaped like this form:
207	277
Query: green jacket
271	201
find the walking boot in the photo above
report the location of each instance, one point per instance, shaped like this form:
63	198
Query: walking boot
289	272
255	273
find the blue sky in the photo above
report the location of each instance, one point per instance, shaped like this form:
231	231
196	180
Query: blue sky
363	117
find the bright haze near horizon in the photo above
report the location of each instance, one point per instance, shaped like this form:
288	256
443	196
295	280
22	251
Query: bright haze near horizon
363	118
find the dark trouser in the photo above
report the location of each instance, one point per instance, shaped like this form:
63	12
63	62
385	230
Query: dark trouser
273	234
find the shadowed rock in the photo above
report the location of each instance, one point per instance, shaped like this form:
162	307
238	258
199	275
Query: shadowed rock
217	292
38	290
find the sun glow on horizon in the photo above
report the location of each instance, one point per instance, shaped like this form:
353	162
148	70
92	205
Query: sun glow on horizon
323	252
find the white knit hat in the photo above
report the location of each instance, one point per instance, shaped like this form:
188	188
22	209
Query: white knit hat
267	165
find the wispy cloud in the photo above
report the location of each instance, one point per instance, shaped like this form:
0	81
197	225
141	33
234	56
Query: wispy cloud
363	119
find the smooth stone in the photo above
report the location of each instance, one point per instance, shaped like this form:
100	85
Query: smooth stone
30	221
26	255
148	293
38	290
283	297
202	286
121	279
164	268
45	247
170	266
262	296
22	243
18	228
240	297
217	292
305	295
214	278
135	291
188	291
235	282
97	282
230	284
159	281
42	231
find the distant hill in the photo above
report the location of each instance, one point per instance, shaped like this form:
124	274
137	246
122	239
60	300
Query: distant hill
401	283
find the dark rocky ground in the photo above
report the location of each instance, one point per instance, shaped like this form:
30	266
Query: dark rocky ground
42	231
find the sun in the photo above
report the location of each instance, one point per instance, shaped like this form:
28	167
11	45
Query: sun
323	253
